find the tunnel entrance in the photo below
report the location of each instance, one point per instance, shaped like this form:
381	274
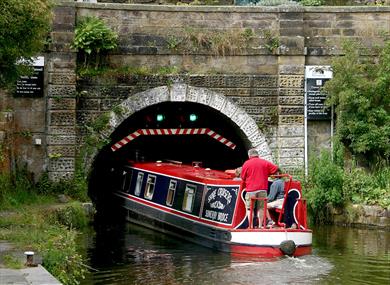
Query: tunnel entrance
185	148
178	107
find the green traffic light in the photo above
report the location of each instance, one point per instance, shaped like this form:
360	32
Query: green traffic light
160	117
193	117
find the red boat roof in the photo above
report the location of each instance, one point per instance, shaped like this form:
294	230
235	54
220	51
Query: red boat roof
188	172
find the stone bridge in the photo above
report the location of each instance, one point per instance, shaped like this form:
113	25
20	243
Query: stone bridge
254	82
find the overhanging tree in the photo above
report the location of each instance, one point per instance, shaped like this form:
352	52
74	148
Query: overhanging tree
24	26
360	92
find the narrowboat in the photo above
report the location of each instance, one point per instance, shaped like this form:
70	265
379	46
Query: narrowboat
207	207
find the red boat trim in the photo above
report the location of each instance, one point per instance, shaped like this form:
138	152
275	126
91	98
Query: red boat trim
160	132
175	212
201	220
201	180
265	251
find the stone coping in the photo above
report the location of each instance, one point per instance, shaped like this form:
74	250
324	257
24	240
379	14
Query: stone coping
228	9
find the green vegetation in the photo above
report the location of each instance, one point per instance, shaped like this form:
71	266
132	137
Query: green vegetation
18	189
32	221
312	2
24	27
12	262
93	39
37	228
331	186
220	43
124	71
358	171
359	91
272	42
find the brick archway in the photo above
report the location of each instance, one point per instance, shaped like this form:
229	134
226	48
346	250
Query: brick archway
179	92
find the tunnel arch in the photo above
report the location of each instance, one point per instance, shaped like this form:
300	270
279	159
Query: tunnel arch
102	164
177	92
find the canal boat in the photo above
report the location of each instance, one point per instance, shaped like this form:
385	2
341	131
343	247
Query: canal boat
207	207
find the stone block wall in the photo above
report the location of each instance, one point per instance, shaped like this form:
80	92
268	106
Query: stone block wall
263	74
61	96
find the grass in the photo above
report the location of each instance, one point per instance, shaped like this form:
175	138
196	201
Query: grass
31	219
12	262
51	231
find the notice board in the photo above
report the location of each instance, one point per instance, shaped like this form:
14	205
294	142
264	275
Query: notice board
32	86
315	97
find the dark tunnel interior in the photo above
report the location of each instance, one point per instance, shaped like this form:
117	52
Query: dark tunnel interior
184	148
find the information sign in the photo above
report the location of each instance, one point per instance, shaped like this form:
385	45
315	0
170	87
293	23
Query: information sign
315	78
32	86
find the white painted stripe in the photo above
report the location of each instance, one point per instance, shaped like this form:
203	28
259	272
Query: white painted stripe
188	131
271	237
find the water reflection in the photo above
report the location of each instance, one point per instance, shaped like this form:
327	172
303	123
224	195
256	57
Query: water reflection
129	254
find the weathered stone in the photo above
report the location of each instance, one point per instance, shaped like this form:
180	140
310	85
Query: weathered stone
291	110
61	90
63	151
61	164
291	81
291	162
265	81
255	100
292	142
62	103
62	78
291	130
61	139
58	176
62	130
291	92
93	104
292	153
62	118
288	119
61	61
64	18
291	100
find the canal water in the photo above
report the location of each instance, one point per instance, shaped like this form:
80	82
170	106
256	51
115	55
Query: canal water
128	254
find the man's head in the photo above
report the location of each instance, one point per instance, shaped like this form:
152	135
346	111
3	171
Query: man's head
253	152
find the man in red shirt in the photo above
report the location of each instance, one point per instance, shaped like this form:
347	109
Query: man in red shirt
254	180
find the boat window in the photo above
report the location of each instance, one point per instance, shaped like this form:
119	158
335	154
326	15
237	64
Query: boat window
127	180
149	189
171	192
140	178
189	196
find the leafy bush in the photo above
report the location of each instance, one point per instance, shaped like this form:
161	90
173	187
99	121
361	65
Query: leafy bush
72	216
330	186
359	91
61	259
324	188
93	38
361	187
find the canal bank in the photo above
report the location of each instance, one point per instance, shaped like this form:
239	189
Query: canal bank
27	276
49	230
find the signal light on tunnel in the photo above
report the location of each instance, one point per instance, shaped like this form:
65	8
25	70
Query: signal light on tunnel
160	117
193	117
